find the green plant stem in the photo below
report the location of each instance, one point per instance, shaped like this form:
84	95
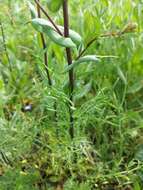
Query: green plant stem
44	48
69	59
5	47
109	34
91	42
49	18
46	59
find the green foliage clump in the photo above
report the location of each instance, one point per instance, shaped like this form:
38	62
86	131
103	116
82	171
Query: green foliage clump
37	102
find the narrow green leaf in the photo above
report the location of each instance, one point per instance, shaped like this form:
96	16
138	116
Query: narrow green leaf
107	56
121	75
84	59
32	10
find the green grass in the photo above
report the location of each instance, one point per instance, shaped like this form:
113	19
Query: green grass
36	150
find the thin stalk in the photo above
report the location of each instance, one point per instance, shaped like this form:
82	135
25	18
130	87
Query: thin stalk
49	18
4	44
69	59
8	58
45	52
109	34
46	57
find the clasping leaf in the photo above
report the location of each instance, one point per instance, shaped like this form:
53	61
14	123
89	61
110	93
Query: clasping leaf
44	26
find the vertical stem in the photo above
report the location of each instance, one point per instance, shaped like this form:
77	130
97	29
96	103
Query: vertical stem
69	59
46	57
8	58
5	47
45	53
